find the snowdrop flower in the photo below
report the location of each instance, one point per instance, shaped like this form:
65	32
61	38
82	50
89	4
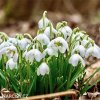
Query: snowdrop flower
78	36
23	43
50	52
43	69
5	44
66	31
11	64
43	21
48	30
59	44
79	49
32	55
12	40
43	39
94	51
84	42
75	59
11	52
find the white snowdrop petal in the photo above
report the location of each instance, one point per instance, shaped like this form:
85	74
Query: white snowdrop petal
66	31
23	43
12	40
80	49
43	39
43	69
42	24
52	52
62	49
38	55
3	51
96	51
5	44
15	57
47	32
75	58
29	56
89	52
11	64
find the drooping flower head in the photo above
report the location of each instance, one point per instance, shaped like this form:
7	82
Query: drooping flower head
75	59
43	21
64	29
42	39
59	44
43	69
23	43
11	64
32	55
10	52
93	51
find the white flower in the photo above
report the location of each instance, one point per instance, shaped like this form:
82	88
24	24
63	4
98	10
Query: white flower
12	40
66	31
43	69
94	51
10	52
78	36
42	38
79	49
50	52
59	44
74	60
11	64
84	42
32	55
48	30
43	21
23	43
5	44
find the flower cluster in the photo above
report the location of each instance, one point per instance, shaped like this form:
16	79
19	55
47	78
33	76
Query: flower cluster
53	54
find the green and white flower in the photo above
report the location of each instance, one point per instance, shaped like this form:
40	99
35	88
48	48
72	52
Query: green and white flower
43	69
23	43
13	40
42	39
59	44
10	52
44	22
79	49
93	51
66	31
11	64
75	59
49	31
32	55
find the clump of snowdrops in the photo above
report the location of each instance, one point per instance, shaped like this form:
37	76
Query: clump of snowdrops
51	62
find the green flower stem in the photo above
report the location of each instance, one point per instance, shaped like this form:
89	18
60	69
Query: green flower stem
50	82
20	71
44	15
28	75
69	76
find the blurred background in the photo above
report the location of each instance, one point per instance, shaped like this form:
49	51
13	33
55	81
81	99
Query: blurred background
22	16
